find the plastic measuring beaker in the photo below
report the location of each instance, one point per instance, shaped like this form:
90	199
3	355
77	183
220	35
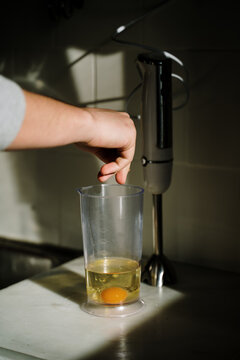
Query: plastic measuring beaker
112	220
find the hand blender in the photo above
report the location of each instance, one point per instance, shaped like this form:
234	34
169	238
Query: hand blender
157	159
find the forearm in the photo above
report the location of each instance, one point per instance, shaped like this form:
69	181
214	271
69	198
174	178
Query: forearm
50	123
108	134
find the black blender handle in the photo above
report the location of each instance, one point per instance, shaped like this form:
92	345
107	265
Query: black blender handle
164	103
161	66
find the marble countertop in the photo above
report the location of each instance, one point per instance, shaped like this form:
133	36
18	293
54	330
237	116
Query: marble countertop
198	318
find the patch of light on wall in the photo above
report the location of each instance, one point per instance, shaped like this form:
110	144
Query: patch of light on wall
82	74
97	76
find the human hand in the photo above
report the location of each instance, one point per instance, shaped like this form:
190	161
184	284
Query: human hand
112	138
108	134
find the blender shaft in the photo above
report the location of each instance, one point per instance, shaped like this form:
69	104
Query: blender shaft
157	224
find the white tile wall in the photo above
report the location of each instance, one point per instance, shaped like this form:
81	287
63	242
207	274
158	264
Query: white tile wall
194	25
82	75
38	195
29	206
110	75
201	216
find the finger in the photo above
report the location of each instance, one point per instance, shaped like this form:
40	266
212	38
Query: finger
104	178
114	166
121	176
107	171
110	168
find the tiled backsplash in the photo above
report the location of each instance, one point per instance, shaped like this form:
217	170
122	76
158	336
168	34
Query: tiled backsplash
201	216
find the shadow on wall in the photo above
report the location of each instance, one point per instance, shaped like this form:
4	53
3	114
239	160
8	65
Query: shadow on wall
44	205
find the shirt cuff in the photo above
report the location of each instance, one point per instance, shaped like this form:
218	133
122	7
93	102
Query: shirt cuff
12	111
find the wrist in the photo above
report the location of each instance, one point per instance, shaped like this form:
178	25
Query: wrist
83	126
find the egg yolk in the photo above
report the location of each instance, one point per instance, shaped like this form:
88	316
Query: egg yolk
114	295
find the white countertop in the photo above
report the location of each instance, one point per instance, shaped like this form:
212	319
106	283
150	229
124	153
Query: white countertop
41	318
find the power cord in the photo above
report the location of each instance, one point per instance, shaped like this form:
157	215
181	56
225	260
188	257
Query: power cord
115	37
166	54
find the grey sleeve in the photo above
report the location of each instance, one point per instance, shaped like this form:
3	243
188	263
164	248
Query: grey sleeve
12	110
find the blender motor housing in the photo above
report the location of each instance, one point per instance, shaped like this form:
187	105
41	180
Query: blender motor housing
156	114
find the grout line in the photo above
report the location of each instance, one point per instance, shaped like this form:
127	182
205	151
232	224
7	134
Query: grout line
95	78
207	167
